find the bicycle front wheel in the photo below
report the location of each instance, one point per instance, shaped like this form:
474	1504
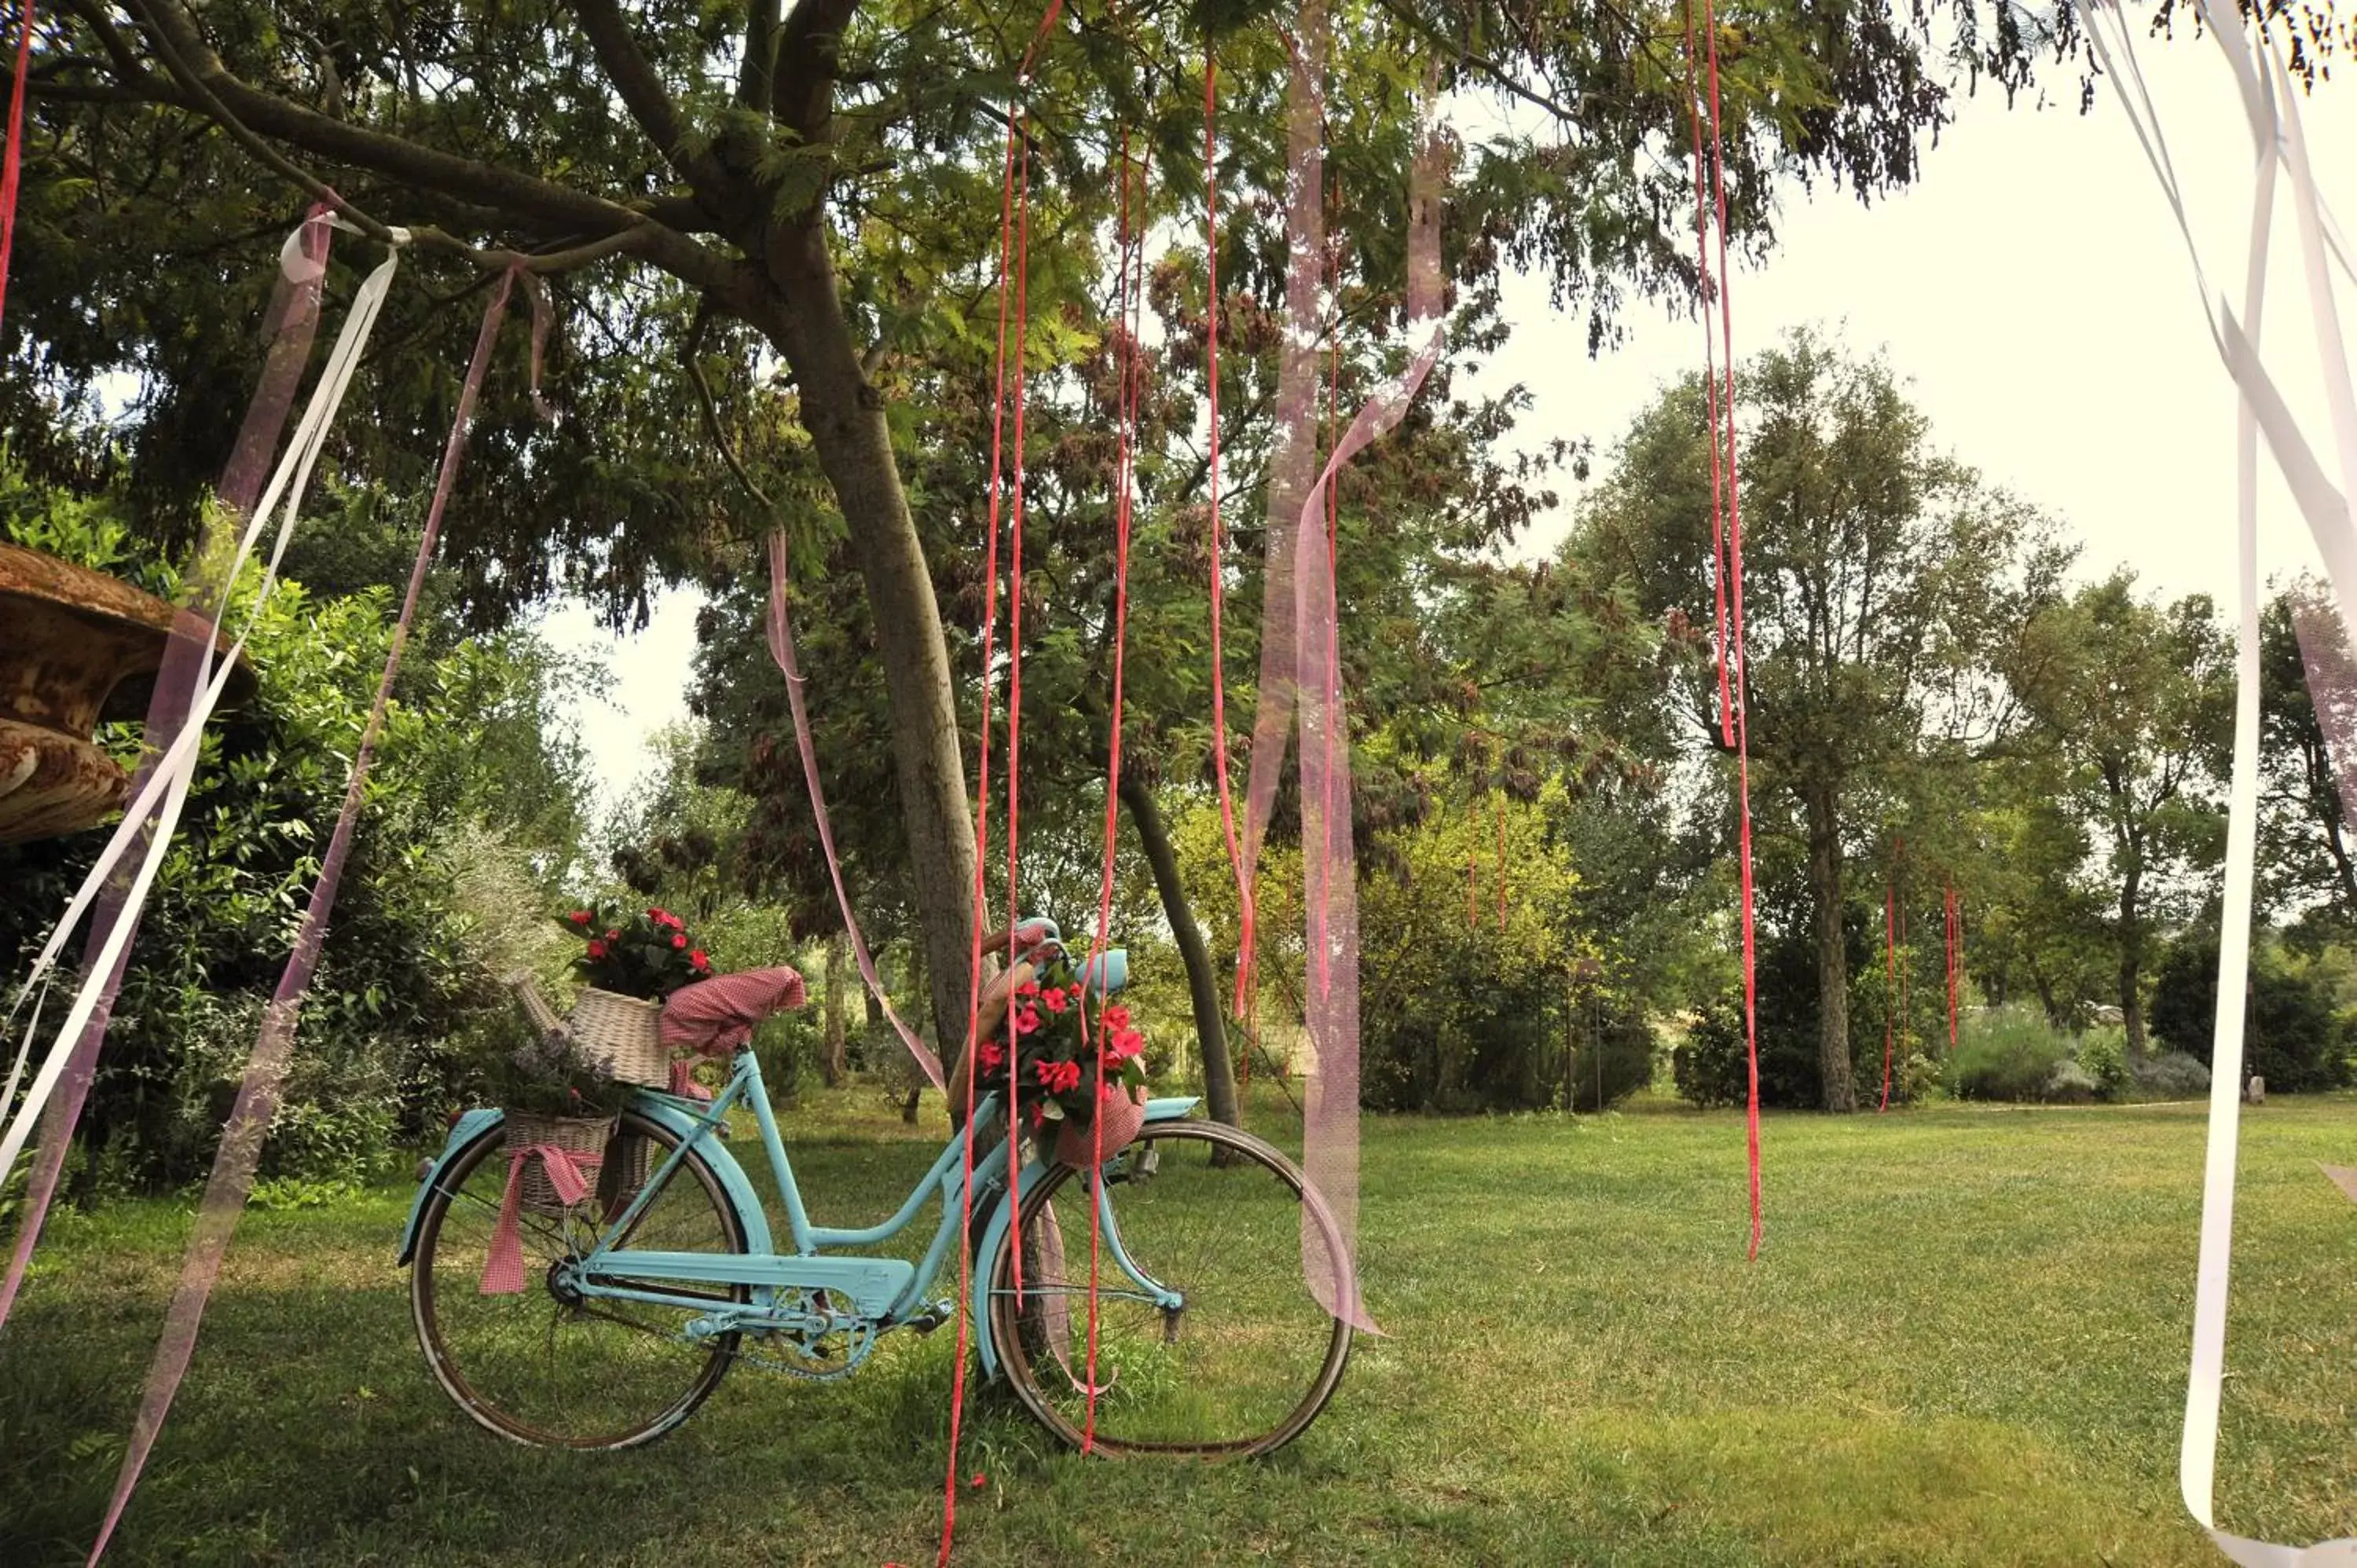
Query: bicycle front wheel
1208	1341
545	1365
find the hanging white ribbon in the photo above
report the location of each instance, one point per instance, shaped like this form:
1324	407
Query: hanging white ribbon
2278	142
167	788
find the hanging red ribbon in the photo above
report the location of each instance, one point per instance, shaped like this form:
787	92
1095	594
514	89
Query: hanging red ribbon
1719	400
1703	276
1246	920
1501	860
1889	980
1130	242
1955	965
1007	265
1903	967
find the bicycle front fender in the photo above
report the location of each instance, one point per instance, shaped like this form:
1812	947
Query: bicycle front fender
1174	1108
674	1119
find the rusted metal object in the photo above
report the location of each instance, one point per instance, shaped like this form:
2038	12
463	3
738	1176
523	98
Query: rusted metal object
77	649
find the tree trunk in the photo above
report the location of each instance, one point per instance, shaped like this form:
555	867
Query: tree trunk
2132	956
1202	979
845	415
831	1054
1833	957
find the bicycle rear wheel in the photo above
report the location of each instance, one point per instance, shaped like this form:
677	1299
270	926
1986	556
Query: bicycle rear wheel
543	1366
1246	1358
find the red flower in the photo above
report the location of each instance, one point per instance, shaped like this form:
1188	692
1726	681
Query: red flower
978	1480
597	950
697	959
1116	1016
1027	1021
1058	1076
579	916
990	1056
1029	988
1127	1043
679	941
1054	1002
613	936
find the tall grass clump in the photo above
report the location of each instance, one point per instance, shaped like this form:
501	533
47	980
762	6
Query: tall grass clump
2007	1053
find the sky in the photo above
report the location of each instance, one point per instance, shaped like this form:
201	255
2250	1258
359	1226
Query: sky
2034	292
2031	289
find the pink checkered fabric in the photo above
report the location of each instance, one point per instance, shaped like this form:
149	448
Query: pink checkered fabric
718	1015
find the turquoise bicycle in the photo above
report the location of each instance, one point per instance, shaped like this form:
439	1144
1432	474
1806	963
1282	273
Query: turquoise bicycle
640	1298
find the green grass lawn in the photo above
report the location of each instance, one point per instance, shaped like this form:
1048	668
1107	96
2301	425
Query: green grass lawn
1964	1342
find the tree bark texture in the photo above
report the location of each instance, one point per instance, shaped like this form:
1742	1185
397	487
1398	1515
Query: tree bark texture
1202	979
1833	957
2132	955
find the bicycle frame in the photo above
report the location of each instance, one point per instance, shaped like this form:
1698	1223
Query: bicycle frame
886	1291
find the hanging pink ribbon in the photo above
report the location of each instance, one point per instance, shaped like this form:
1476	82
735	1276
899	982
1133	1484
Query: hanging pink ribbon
1329	866
290	324
683	1081
257	1097
781	649
503	1267
12	161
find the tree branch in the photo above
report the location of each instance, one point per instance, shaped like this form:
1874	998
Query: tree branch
642	93
83	91
808	50
249	114
689	348
756	82
128	67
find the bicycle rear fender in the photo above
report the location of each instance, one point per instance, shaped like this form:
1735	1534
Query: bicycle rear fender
1169	1109
681	1122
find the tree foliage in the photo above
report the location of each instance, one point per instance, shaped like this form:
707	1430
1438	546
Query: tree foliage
2132	700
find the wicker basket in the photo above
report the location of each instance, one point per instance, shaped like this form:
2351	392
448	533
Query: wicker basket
583	1137
626	1034
629	1160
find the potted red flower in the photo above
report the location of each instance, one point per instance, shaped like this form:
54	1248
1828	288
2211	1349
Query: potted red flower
1058	1036
630	963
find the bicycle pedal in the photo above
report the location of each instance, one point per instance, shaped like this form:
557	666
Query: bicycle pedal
932	1317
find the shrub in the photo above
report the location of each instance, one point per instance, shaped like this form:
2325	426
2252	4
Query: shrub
2008	1053
2104	1053
2295	1035
2072	1084
1917	1078
1613	1062
2170	1076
